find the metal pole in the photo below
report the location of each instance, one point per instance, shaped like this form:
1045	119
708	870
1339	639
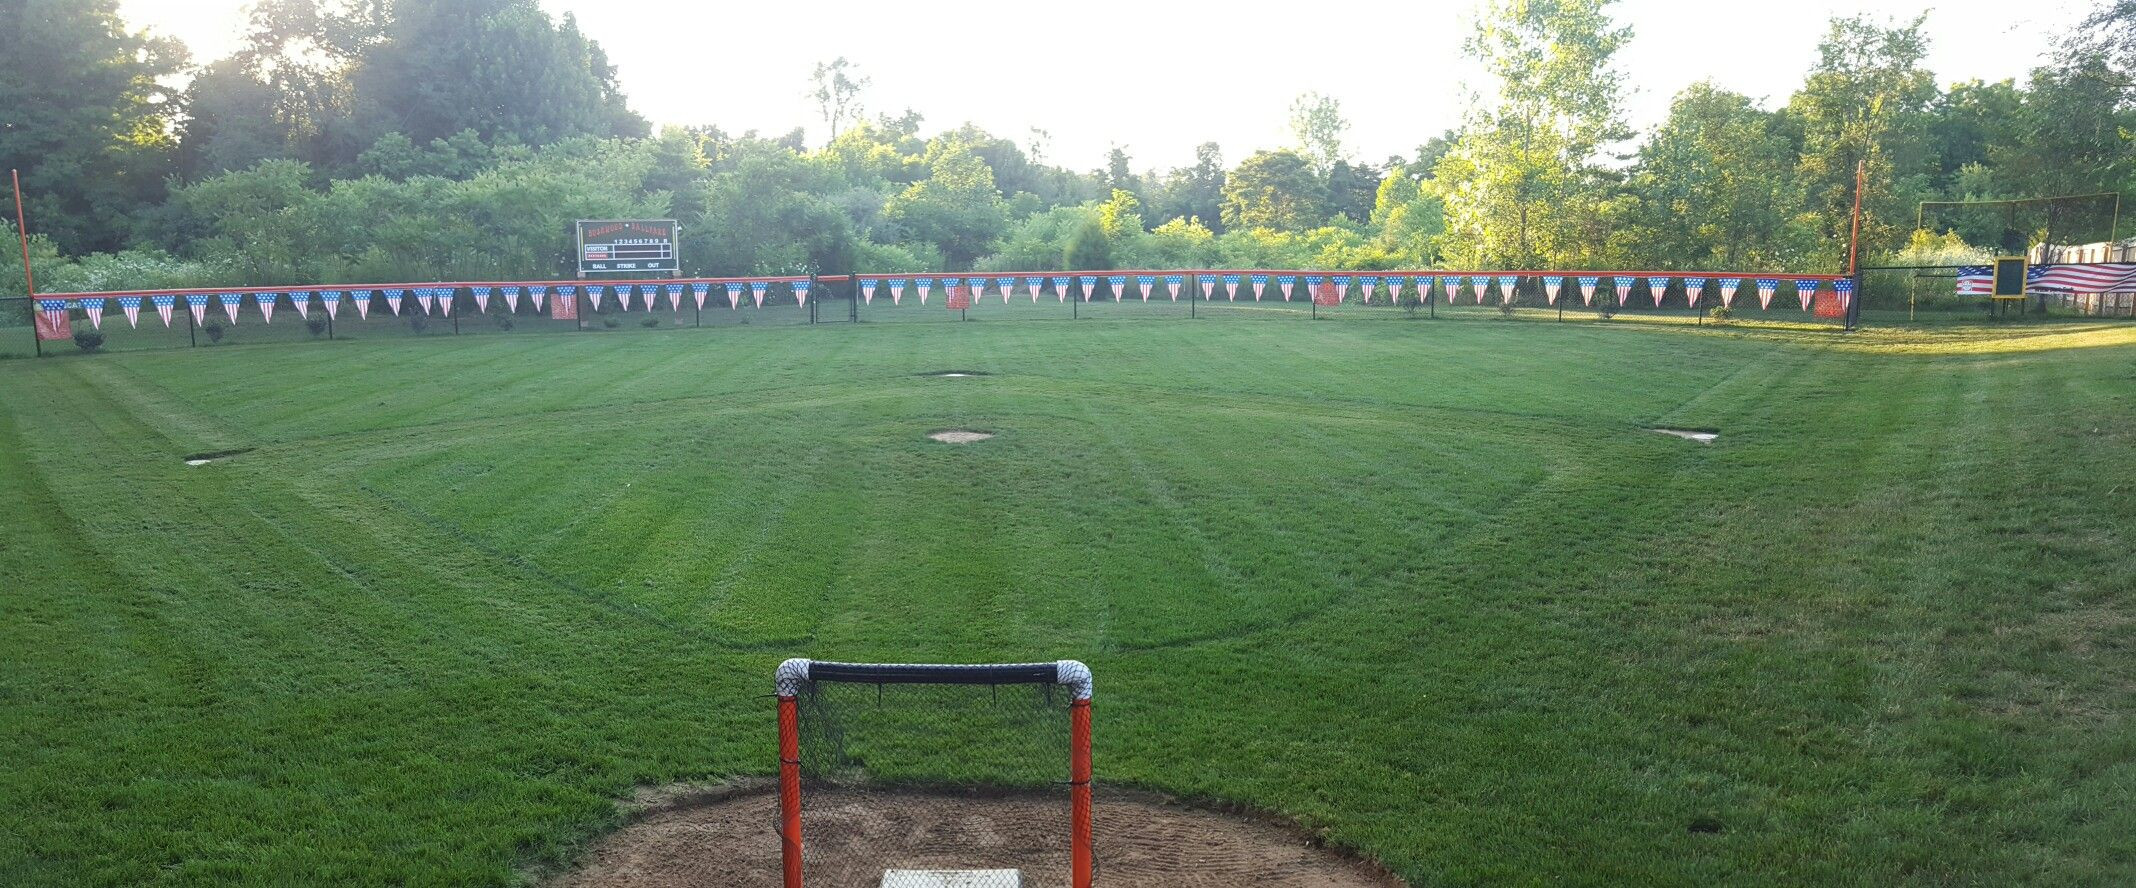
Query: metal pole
790	790
1194	296
192	339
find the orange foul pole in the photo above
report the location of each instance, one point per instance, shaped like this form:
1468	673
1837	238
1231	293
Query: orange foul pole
22	230
1079	778
790	789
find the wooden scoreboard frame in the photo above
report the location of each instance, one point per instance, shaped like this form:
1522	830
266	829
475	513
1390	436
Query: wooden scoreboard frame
2010	277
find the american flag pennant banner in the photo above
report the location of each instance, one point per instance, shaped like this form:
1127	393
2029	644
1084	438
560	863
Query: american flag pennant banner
1506	283
331	301
734	294
197	303
650	295
1060	288
1089	283
1034	284
1231	285
1845	288
594	292
1766	288
301	301
362	299
1286	282
1394	288
266	303
1587	289
1368	284
2084	277
1623	286
393	300
52	320
1694	288
700	291
1118	283
758	288
1657	286
1806	290
1424	285
163	305
482	298
800	289
538	294
511	300
445	299
1146	283
231	302
94	308
674	294
422	299
924	285
1212	286
1006	285
867	291
1551	285
1260	285
1323	290
1729	286
131	305
1342	286
1478	283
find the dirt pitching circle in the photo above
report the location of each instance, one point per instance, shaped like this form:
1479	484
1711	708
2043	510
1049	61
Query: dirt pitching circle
725	836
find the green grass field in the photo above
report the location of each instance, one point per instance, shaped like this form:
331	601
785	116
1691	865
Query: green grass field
1427	588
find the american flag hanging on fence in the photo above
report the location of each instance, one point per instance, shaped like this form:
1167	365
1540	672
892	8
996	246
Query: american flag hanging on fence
393	300
266	303
422	299
757	289
924	285
1806	290
1232	284
1033	285
674	293
1286	282
1506	284
540	293
1394	289
1694	289
445	297
1367	284
482	298
301	301
52	320
197	303
2087	277
1212	286
1424	285
1657	287
331	301
1551	285
511	300
1588	283
93	306
163	305
1766	288
131	305
1622	286
231	302
1009	284
800	289
1845	288
1260	285
1089	284
698	292
1729	286
564	307
867	290
1145	283
1342	287
1479	283
1118	283
1171	285
734	294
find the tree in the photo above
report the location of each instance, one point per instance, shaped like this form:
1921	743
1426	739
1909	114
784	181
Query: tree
1524	177
837	93
86	119
1195	192
1712	187
956	208
1275	189
1864	104
1089	249
1317	127
1121	217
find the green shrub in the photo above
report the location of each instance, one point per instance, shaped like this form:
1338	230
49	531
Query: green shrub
649	323
214	329
317	326
610	322
1722	313
88	340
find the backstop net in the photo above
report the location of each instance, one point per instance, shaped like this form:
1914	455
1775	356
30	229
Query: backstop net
916	775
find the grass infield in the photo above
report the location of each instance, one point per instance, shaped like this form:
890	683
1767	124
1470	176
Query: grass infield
1433	591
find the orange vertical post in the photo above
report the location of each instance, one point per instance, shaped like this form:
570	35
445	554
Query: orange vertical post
790	789
1079	779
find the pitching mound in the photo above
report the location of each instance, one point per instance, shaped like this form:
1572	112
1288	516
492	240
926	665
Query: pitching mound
726	837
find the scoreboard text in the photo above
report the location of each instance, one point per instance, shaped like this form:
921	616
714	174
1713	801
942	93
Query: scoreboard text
627	245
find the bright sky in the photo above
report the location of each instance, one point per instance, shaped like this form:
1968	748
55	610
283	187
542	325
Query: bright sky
1161	76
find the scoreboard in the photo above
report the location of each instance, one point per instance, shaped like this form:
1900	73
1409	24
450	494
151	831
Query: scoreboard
634	245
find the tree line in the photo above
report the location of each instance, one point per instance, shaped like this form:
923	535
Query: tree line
383	140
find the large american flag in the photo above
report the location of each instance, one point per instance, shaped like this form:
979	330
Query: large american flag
2090	277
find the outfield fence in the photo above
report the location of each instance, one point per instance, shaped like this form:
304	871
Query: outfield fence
252	315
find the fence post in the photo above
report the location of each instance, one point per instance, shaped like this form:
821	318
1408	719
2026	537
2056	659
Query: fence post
192	339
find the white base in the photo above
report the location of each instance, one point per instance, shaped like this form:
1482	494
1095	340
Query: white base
994	878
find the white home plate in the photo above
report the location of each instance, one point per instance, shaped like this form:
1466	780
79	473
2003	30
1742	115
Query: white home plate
1688	435
994	878
960	436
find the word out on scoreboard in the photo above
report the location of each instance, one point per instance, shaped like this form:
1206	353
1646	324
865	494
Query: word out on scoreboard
627	245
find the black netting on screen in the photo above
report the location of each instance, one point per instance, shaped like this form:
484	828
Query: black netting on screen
925	777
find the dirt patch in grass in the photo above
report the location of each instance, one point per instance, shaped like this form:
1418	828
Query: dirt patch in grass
959	436
726	836
954	374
